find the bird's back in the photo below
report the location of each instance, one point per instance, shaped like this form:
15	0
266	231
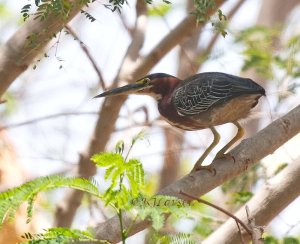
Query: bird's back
201	92
215	98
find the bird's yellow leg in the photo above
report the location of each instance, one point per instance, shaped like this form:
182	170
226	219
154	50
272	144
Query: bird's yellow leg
215	142
238	136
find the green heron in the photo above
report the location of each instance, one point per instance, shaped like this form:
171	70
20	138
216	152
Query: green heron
201	101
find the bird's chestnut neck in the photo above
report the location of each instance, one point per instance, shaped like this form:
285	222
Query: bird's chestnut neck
164	87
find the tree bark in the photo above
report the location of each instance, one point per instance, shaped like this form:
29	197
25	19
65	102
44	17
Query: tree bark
18	52
246	154
266	204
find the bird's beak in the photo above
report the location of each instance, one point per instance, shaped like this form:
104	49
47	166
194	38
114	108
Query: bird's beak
124	90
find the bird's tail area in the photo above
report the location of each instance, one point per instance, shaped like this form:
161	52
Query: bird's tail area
247	86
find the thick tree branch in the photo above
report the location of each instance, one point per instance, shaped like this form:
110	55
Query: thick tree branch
246	154
18	52
266	204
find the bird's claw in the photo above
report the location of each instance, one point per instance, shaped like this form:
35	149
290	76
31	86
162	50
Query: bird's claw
209	168
227	156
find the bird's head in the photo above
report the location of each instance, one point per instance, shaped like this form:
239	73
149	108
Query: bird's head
156	85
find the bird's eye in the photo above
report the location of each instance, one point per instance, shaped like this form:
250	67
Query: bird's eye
144	81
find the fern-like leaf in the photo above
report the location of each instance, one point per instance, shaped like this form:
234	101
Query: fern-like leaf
107	159
61	235
157	206
11	200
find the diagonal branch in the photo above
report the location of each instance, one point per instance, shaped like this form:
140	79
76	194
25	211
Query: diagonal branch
268	202
89	56
237	220
246	154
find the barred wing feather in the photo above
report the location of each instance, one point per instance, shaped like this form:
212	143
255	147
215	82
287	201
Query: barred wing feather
199	93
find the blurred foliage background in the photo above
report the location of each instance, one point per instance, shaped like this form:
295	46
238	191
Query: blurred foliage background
49	116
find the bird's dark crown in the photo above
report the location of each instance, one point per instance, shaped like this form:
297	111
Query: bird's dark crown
155	76
158	76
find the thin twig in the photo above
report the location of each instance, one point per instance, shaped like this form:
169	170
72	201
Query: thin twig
52	116
237	220
89	55
129	29
240	232
257	231
213	40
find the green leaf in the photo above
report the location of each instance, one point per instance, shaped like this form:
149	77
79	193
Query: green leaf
61	235
159	10
242	197
203	228
270	240
119	148
157	206
290	240
11	103
108	172
178	238
107	159
135	173
30	208
201	9
221	15
140	136
157	220
280	168
11	200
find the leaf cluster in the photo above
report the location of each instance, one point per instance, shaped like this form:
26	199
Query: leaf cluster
178	238
117	170
125	192
12	199
157	206
61	235
202	8
60	8
121	170
286	240
116	5
239	189
159	10
263	54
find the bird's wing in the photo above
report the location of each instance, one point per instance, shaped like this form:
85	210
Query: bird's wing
200	92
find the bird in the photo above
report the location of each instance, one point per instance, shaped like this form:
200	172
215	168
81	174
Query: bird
198	102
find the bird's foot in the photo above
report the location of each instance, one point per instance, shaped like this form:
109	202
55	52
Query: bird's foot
199	167
227	156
